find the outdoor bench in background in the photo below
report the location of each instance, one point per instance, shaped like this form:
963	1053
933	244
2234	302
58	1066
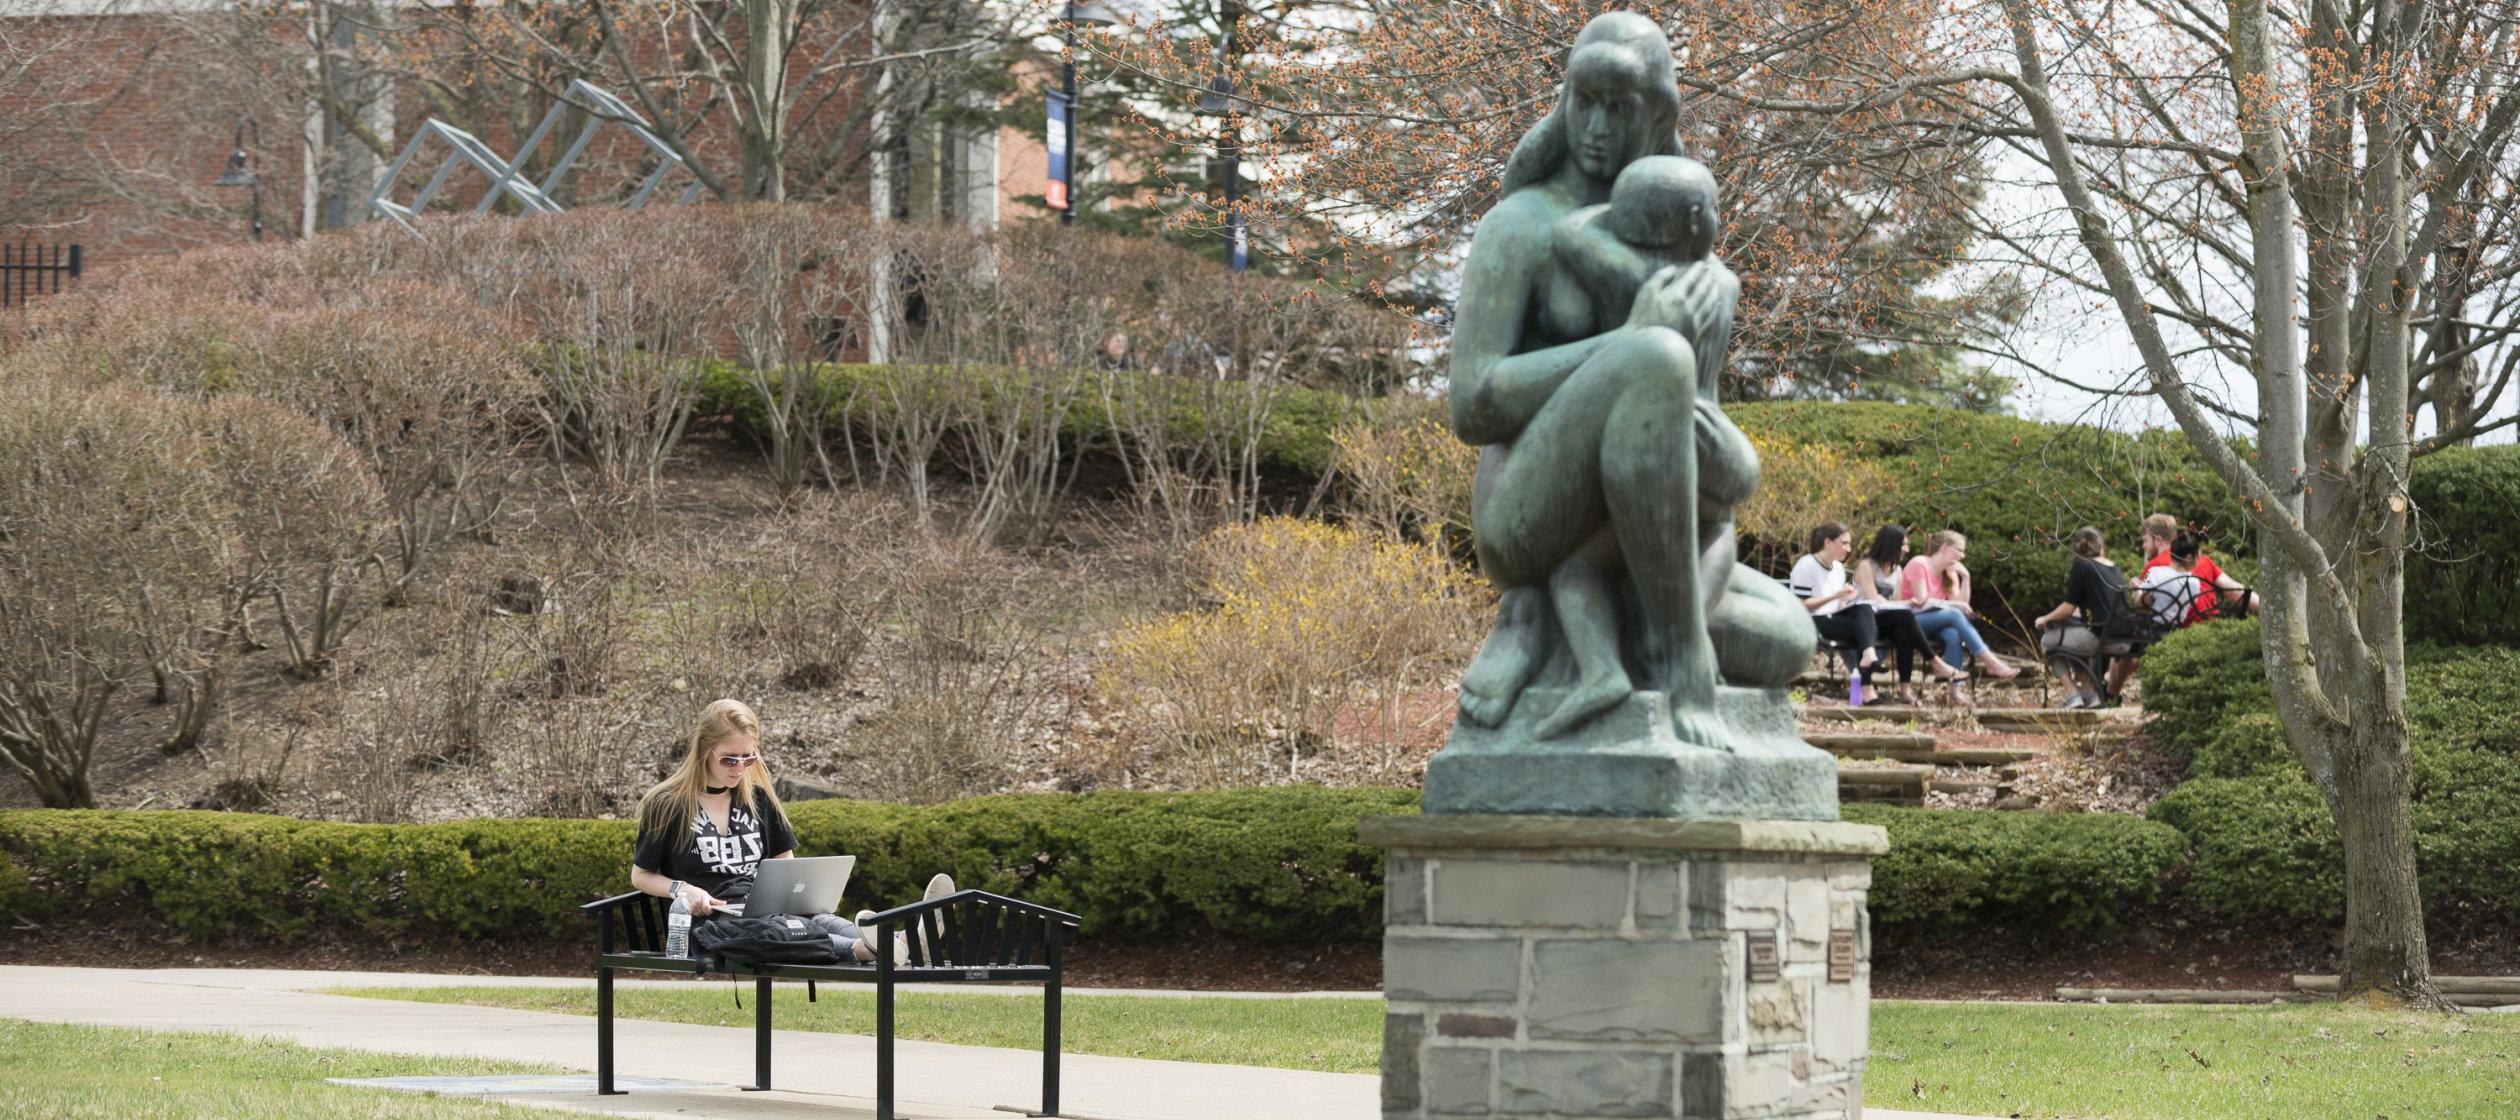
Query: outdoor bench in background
964	937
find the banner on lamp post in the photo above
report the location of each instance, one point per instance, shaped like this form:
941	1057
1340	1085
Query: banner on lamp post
1062	118
1241	240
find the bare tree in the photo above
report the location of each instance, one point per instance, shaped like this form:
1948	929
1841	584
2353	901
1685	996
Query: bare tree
103	520
800	286
1384	126
2203	161
800	81
309	519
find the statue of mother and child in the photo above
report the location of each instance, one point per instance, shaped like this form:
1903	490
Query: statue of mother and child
1636	667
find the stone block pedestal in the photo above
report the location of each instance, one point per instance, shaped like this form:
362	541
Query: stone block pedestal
1573	968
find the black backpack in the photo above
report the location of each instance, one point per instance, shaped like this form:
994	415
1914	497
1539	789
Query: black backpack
778	939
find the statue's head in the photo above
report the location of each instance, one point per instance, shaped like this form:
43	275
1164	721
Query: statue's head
1667	203
1620	101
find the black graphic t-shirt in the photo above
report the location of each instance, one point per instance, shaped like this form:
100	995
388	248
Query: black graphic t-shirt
719	862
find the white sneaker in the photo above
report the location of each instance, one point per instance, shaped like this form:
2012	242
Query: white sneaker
938	887
2072	700
860	922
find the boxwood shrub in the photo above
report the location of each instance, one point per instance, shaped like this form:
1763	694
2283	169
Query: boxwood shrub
17	895
1278	864
2463	584
2263	841
1274	865
2206	698
1293	439
1965	867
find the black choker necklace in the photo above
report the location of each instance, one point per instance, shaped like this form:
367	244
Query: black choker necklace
717	789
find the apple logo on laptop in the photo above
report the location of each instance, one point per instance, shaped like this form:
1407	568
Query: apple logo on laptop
796	888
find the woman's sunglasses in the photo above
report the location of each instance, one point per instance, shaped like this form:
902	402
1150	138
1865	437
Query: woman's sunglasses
739	760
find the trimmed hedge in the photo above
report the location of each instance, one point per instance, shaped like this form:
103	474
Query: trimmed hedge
2267	845
1964	867
1270	865
2463	586
1295	437
2264	842
217	875
1277	864
2206	699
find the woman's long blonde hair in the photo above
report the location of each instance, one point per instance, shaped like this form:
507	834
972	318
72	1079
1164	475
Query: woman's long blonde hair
672	803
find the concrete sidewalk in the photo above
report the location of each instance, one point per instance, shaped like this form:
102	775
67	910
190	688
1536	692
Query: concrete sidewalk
821	1076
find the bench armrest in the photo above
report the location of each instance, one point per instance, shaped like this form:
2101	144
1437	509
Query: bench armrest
633	921
976	928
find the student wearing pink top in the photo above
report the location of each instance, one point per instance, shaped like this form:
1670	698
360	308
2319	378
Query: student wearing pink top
1937	584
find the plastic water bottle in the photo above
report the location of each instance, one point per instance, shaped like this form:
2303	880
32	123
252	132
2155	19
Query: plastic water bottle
678	926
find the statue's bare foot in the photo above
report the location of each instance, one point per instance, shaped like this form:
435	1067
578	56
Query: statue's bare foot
1590	698
1688	684
1507	660
1701	729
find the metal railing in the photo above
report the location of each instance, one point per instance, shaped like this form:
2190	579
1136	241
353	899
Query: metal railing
28	270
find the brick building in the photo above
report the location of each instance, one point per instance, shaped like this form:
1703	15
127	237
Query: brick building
121	119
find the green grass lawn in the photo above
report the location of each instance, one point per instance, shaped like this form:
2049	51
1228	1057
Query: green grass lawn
108	1073
1338	1035
2312	1062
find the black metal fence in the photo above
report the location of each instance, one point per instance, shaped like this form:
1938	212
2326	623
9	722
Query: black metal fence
28	270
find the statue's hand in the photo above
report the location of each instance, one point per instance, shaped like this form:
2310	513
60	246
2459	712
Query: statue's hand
1662	301
1707	288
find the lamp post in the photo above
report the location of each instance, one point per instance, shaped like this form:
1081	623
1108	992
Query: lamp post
240	173
1063	131
1219	102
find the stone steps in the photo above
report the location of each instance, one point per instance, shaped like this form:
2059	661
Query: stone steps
1906	784
1853	744
1912	747
1880	785
1821	683
2047	721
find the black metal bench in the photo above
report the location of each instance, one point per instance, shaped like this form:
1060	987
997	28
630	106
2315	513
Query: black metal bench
964	937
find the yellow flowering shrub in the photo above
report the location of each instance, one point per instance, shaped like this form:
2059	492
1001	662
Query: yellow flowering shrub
1407	475
1303	619
1802	485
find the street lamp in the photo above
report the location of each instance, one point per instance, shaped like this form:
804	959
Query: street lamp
240	173
1218	101
1063	127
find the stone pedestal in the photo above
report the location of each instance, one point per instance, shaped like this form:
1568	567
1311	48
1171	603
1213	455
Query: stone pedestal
1568	968
1627	762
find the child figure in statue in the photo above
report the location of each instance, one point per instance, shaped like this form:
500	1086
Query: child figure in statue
1661	216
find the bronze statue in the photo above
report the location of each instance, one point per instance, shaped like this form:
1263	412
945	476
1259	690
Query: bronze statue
1589	336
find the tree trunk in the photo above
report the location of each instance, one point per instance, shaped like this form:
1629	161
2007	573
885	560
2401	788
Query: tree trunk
2385	946
766	25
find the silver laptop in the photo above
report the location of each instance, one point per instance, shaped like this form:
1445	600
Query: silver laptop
810	885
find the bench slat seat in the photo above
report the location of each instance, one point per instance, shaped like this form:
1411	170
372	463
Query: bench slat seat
966	937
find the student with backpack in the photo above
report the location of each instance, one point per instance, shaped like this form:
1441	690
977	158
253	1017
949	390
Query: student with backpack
705	829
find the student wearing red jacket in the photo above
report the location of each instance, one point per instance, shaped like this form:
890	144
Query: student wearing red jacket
2231	598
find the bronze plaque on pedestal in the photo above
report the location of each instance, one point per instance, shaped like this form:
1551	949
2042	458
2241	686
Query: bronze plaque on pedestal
1841	955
